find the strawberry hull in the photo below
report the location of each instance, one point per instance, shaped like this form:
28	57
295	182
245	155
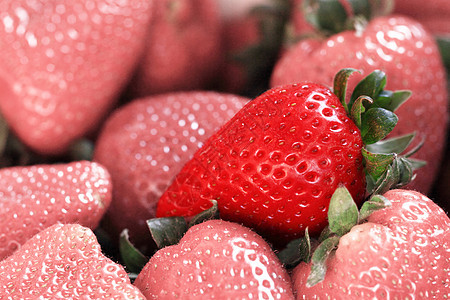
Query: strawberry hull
275	164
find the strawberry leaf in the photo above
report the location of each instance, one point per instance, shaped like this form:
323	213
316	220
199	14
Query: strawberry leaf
340	85
133	259
358	109
319	258
377	123
392	100
342	212
327	15
370	86
209	214
376	163
392	145
296	251
167	231
375	203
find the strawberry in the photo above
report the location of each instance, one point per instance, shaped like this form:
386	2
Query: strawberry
36	197
252	32
407	54
64	262
215	260
63	65
276	163
401	252
434	14
145	144
183	48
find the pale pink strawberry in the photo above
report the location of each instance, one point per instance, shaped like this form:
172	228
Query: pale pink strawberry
216	260
63	64
402	252
64	262
36	197
183	48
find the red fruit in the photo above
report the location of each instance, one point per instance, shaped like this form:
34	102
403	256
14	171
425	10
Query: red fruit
216	260
183	48
145	144
407	54
64	262
434	14
402	252
36	197
275	164
64	64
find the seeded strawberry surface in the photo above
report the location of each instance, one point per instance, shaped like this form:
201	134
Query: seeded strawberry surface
402	252
64	262
146	143
36	197
63	65
275	164
216	260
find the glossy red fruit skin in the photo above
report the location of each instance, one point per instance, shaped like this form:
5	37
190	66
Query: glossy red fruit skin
275	164
33	198
216	260
64	262
183	48
64	64
146	143
407	54
402	251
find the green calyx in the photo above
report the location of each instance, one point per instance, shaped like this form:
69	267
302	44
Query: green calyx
372	108
165	232
333	16
343	215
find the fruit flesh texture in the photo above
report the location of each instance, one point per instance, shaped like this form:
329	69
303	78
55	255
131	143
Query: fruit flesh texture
64	65
146	143
389	44
275	164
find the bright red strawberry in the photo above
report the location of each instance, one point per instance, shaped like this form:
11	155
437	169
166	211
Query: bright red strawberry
216	260
276	163
64	262
252	34
63	65
145	144
407	54
183	48
401	252
36	197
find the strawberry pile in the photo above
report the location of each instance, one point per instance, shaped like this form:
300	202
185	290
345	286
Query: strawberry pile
224	149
